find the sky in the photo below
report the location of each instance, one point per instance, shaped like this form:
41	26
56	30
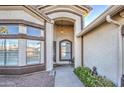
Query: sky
94	13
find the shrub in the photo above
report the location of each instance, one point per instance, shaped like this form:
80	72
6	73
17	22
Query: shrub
89	80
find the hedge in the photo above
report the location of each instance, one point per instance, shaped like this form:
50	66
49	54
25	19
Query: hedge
89	80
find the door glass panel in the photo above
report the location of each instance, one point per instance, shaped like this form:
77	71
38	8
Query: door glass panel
65	50
2	52
33	51
11	52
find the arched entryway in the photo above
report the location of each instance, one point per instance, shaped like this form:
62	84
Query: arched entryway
65	16
53	12
63	41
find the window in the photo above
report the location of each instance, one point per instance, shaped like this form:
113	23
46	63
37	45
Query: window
65	50
33	51
11	52
33	31
8	52
2	52
9	29
9	46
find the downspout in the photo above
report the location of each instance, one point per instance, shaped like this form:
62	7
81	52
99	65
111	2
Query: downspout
120	60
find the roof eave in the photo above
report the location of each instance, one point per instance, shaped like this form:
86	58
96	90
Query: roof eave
112	10
38	13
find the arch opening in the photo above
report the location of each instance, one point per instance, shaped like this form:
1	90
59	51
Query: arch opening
63	31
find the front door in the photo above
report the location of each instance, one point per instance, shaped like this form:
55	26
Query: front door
65	50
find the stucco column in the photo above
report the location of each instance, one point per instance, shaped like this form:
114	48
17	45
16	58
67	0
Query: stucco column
49	46
22	47
77	44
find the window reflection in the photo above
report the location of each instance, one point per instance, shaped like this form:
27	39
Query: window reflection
9	47
11	52
65	50
2	52
33	31
33	52
8	52
10	29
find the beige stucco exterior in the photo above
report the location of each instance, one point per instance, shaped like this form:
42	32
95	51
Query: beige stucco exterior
45	16
101	48
20	14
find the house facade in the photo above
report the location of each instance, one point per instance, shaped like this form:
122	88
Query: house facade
37	37
103	44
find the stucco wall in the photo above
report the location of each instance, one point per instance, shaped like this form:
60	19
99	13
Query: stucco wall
19	14
100	49
68	33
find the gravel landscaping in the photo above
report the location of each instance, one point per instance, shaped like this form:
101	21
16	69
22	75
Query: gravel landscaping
37	79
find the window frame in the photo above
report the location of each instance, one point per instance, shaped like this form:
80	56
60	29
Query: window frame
24	36
60	57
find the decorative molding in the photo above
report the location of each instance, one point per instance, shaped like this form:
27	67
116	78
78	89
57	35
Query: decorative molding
81	16
20	21
25	8
62	11
21	36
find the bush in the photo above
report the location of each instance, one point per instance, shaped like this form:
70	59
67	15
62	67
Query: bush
89	80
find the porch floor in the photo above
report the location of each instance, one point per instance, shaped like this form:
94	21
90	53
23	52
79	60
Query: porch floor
65	77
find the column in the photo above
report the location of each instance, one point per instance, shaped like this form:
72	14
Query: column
49	46
22	46
77	44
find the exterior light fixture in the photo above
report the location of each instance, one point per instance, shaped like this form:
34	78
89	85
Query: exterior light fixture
61	32
62	27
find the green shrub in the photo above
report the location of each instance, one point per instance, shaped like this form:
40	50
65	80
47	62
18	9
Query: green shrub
89	80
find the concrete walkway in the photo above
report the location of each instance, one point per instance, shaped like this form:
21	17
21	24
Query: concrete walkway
65	77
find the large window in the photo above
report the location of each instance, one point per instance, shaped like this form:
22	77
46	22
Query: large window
65	50
9	36
8	47
33	51
32	31
8	52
